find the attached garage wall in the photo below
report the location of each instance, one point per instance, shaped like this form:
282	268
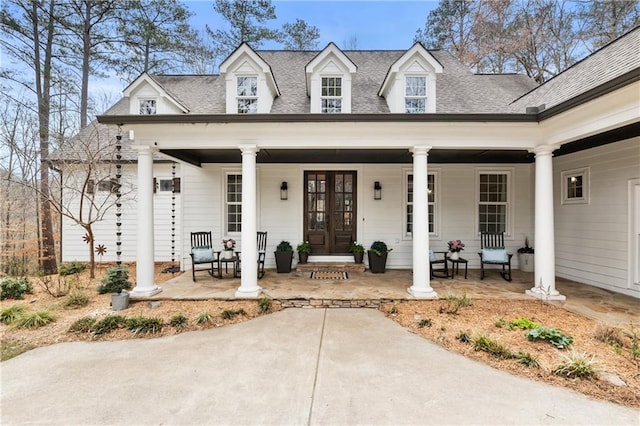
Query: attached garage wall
592	239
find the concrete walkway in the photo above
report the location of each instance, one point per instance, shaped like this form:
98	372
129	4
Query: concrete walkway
294	367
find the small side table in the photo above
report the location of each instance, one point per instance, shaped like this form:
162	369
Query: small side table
455	266
227	261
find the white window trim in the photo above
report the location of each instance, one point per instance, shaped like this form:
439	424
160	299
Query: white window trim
341	97
147	98
238	97
567	174
225	224
425	97
510	172
407	236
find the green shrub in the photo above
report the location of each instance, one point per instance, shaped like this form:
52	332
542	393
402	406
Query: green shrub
11	313
178	321
83	325
115	280
576	364
527	359
230	313
379	247
464	336
76	300
523	324
453	303
424	323
144	325
203	318
284	246
486	344
264	304
551	335
71	268
109	324
35	319
55	285
14	288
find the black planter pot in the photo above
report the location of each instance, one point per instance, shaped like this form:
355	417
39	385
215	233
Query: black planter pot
283	261
304	257
377	263
358	257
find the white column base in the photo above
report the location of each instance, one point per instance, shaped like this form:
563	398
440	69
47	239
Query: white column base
535	292
139	293
422	293
248	293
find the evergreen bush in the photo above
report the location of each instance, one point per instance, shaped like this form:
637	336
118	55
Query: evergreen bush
115	280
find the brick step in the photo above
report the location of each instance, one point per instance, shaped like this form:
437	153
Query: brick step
330	266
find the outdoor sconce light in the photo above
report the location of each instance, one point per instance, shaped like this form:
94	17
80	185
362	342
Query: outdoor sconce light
284	190
377	191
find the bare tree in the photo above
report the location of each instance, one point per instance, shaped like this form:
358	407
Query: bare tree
300	36
607	20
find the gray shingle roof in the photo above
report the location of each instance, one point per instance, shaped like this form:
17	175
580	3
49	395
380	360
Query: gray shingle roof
613	60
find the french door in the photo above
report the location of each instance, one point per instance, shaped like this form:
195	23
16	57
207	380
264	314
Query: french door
330	211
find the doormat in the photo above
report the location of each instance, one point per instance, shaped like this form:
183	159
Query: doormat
329	275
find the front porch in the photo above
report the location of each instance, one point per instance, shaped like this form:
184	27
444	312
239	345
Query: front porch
364	289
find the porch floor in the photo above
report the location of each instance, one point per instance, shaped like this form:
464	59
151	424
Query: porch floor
584	299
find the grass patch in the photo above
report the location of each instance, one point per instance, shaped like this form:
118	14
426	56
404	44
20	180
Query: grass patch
178	321
35	319
492	347
144	325
609	335
13	348
109	324
453	303
75	300
203	318
424	323
464	336
576	364
527	359
83	325
231	313
11	313
265	305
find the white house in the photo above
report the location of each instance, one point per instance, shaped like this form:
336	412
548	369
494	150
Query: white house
558	163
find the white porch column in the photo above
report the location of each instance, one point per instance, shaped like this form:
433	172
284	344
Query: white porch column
249	256
421	287
145	285
544	286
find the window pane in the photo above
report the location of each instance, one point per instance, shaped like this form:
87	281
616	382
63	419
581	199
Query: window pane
416	86
415	105
247	86
147	107
234	199
247	106
331	105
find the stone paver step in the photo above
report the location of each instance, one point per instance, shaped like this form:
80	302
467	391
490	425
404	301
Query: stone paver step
330	266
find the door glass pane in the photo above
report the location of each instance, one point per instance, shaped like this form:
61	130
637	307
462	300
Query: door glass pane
321	203
339	182
322	185
348	183
339	202
338	222
320	222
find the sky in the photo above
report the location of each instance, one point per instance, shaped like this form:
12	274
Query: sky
378	25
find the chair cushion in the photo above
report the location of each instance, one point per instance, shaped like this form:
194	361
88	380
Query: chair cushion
432	256
202	254
494	255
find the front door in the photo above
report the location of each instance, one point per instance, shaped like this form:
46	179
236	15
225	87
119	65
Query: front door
330	211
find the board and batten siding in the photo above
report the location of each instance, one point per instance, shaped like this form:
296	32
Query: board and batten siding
592	239
75	249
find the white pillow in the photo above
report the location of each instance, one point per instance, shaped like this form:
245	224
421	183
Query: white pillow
202	254
432	256
494	255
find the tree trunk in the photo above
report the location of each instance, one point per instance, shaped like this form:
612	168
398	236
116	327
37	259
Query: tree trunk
86	41
92	255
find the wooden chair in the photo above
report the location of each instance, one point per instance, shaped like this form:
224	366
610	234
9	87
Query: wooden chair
493	252
434	260
202	253
262	254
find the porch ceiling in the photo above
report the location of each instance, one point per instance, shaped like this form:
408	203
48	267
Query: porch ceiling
347	156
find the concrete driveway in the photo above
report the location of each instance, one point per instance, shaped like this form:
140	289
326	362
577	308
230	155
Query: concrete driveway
297	366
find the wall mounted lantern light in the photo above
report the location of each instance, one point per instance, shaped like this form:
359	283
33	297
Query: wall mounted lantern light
284	190
377	191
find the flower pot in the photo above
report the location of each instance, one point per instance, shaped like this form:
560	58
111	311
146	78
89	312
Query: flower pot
358	257
227	254
377	263
454	255
526	262
283	261
120	301
303	257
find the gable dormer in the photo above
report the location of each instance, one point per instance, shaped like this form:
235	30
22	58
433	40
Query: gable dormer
410	84
148	97
329	77
249	82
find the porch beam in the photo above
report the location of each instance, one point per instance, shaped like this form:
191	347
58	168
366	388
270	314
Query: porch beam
145	268
545	268
249	256
421	287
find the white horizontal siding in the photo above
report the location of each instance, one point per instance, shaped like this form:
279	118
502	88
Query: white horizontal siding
591	239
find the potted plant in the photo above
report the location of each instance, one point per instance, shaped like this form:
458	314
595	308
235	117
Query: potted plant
526	257
455	247
303	250
284	257
228	244
358	251
378	257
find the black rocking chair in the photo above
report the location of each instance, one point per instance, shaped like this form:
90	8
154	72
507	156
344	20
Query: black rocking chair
493	252
433	260
202	253
262	254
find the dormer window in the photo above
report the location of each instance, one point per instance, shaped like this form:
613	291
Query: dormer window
147	106
331	95
247	95
415	100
